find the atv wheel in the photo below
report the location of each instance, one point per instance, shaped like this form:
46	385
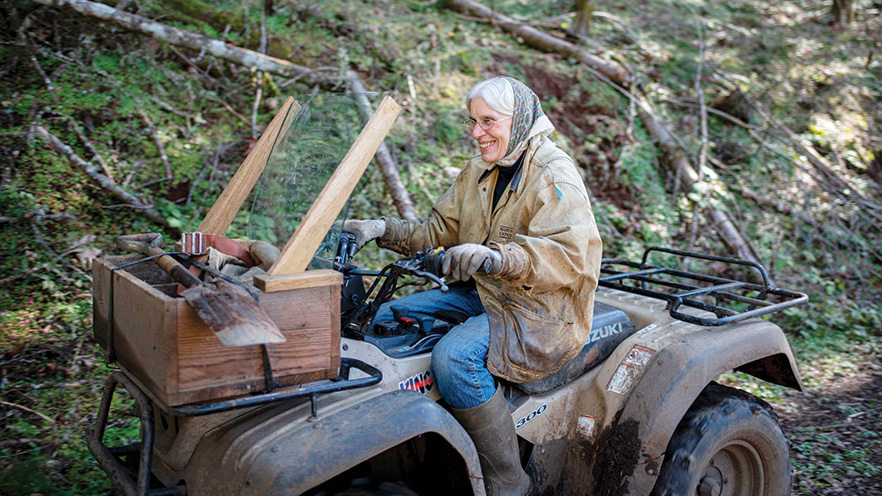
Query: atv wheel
729	443
364	487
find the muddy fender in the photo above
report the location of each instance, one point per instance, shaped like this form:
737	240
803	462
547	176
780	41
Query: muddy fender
299	460
630	452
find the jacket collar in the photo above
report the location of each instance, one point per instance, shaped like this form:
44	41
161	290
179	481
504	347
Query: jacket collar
515	180
530	160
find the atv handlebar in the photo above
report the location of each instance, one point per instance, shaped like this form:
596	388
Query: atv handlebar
428	265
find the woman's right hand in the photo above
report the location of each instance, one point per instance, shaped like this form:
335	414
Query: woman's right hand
364	230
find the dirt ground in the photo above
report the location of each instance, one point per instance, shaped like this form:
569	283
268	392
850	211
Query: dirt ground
837	434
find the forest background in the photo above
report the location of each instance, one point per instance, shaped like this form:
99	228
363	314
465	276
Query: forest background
749	128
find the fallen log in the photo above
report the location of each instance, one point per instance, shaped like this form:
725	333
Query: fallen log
168	34
539	40
689	178
388	168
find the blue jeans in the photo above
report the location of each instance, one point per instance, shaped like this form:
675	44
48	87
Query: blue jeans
459	360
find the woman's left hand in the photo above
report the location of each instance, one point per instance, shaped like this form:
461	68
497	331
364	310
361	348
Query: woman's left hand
365	231
463	261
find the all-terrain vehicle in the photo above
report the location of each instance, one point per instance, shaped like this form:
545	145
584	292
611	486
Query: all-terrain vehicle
637	412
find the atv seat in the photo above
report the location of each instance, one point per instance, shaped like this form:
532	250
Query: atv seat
608	329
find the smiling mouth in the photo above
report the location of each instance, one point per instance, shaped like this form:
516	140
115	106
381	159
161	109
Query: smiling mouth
485	146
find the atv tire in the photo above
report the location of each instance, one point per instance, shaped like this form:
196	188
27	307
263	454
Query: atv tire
364	487
729	443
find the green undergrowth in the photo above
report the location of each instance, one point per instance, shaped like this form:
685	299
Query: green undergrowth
53	372
51	457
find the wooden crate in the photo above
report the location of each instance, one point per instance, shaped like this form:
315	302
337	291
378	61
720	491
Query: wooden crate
162	342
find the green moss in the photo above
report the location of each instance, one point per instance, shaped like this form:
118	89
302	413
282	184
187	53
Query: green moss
185	10
28	476
448	129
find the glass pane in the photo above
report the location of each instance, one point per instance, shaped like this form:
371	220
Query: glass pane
312	143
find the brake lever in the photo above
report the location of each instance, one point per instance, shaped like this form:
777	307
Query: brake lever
416	265
432	277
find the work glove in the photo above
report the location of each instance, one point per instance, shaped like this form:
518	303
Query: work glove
263	253
364	230
463	261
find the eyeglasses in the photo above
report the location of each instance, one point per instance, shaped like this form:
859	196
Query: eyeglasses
486	123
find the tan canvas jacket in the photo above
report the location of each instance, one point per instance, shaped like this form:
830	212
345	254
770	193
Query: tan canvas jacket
540	305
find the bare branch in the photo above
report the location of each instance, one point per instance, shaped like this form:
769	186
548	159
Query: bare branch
157	141
259	76
88	145
230	109
46	80
702	153
21	275
103	181
28	410
38	218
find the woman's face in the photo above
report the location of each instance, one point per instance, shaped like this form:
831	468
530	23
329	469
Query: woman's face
493	142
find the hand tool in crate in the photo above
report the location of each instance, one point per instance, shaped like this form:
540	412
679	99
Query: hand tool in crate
227	309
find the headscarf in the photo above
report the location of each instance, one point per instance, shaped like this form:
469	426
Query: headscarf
528	121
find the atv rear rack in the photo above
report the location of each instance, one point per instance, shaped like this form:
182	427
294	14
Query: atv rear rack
130	466
733	300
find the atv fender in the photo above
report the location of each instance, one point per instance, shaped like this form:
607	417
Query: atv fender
632	448
292	461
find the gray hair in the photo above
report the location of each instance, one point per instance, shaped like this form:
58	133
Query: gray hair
497	92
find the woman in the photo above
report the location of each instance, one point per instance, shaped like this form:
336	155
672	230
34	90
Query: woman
521	209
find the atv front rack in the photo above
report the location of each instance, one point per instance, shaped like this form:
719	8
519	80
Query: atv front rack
130	466
733	300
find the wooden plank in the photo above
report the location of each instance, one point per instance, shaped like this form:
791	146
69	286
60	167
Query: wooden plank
334	293
143	325
304	319
303	280
228	204
321	215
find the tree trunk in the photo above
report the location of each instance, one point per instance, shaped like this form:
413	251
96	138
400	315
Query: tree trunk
584	11
843	11
161	32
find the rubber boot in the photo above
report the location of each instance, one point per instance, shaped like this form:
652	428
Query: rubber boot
493	432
